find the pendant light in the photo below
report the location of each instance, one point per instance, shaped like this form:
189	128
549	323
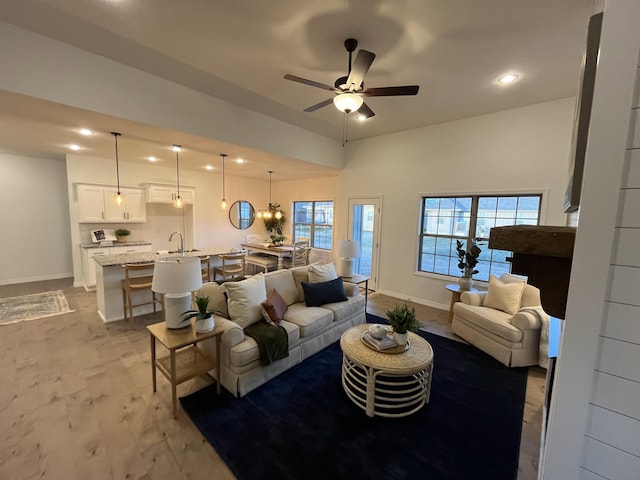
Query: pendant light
178	203
223	202
272	210
118	199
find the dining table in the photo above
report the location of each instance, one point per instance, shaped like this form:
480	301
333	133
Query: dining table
279	251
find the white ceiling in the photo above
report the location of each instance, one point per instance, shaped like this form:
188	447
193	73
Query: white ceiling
239	50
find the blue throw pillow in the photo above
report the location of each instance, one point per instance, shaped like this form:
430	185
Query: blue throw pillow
316	294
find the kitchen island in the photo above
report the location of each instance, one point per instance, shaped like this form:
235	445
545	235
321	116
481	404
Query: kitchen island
109	274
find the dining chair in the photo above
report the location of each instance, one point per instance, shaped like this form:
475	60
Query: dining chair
233	266
299	256
138	277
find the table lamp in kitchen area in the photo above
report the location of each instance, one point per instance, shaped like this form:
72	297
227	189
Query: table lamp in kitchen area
176	278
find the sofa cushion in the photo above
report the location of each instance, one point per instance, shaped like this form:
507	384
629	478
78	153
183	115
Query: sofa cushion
217	300
247	351
300	274
317	294
274	308
282	280
244	299
504	296
342	310
322	273
308	319
490	320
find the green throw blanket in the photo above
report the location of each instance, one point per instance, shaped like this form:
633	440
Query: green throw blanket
273	342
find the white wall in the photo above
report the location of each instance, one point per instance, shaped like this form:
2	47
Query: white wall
520	150
594	428
35	243
212	227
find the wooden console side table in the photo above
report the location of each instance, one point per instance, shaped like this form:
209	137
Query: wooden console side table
185	360
359	279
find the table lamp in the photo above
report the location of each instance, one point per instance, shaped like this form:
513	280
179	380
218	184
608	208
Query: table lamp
176	278
348	250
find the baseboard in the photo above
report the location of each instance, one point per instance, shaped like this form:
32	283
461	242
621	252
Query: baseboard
407	298
39	278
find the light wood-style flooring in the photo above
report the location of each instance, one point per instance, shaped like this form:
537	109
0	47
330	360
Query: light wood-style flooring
76	400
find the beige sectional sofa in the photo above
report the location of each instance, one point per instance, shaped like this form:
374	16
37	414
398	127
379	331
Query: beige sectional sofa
309	329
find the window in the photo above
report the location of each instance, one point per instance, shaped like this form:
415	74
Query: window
314	220
447	219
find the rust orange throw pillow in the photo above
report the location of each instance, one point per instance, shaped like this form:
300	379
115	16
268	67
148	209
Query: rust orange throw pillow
274	308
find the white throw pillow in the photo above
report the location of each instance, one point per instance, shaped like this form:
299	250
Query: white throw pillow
244	300
504	296
322	273
282	281
513	278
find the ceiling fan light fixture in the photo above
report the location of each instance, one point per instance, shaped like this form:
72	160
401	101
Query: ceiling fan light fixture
348	102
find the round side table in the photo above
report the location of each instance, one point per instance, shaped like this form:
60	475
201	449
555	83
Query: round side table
386	384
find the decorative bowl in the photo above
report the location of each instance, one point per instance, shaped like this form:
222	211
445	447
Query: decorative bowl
377	331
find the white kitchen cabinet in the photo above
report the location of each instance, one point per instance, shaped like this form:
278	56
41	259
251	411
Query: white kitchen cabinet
96	205
165	193
89	264
132	210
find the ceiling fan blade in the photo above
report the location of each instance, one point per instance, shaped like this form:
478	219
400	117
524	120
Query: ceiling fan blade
309	82
361	66
315	107
366	111
391	91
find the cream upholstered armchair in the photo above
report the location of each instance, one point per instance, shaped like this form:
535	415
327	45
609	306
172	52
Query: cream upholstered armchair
505	322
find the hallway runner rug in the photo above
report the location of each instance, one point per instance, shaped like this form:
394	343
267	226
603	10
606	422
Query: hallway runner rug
32	307
301	425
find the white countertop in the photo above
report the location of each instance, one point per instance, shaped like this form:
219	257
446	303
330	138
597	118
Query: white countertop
145	257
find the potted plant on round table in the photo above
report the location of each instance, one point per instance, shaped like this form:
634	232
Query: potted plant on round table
122	234
467	261
402	320
204	317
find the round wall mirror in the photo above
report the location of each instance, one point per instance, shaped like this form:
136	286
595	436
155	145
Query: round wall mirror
242	214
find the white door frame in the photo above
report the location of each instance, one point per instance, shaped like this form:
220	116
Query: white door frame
375	250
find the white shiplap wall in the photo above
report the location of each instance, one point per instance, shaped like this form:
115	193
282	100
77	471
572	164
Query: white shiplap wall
612	446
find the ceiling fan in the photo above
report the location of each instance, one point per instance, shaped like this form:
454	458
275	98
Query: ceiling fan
349	90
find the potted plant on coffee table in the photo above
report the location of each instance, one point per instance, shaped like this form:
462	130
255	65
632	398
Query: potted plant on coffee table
402	320
122	234
204	317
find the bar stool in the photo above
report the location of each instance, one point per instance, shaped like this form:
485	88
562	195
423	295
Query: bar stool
138	277
233	265
205	264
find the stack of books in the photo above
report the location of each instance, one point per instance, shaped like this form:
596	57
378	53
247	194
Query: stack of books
383	343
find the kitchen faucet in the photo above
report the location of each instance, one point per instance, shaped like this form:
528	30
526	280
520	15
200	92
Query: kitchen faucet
181	241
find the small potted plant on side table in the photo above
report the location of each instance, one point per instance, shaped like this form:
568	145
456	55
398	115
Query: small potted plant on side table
122	234
402	320
204	317
467	261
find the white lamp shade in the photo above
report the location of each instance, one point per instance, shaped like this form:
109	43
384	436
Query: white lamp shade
176	275
348	102
349	249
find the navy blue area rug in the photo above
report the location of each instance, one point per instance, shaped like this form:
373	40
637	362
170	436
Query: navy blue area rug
301	425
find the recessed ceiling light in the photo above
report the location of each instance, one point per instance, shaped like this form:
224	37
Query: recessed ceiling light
152	158
74	147
85	131
362	118
240	160
508	78
208	167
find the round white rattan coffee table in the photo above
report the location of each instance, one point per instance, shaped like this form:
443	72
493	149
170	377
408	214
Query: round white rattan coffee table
386	384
